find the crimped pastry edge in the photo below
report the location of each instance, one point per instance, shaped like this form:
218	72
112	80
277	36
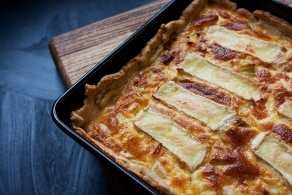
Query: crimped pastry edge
96	97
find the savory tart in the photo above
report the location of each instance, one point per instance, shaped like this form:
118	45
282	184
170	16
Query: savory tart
205	108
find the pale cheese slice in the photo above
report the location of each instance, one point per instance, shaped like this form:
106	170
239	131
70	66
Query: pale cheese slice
276	152
289	74
213	114
174	137
205	70
266	51
286	108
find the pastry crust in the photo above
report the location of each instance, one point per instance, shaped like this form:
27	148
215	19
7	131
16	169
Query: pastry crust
95	122
281	25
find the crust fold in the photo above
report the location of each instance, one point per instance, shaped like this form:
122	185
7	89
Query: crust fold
265	18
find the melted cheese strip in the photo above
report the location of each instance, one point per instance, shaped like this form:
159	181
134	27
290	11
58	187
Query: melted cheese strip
205	70
275	152
267	52
286	108
172	136
201	108
289	74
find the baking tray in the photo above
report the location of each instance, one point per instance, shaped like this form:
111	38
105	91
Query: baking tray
73	98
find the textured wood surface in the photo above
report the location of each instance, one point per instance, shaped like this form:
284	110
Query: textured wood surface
77	51
36	157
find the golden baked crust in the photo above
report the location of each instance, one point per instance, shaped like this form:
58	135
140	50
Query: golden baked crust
197	110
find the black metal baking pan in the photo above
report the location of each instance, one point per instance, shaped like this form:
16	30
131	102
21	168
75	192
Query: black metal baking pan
73	97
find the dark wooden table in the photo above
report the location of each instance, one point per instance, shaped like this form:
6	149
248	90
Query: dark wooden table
36	157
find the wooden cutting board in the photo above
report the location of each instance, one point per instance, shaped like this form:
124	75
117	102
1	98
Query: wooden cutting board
77	51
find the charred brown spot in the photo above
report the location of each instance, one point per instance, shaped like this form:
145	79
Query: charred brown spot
283	49
260	34
173	38
259	109
289	58
283	131
190	43
240	123
288	68
167	45
157	149
224	14
201	48
238	136
265	192
238	166
263	75
236	25
207	91
212	177
220	155
280	96
167	58
222	53
203	40
206	20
